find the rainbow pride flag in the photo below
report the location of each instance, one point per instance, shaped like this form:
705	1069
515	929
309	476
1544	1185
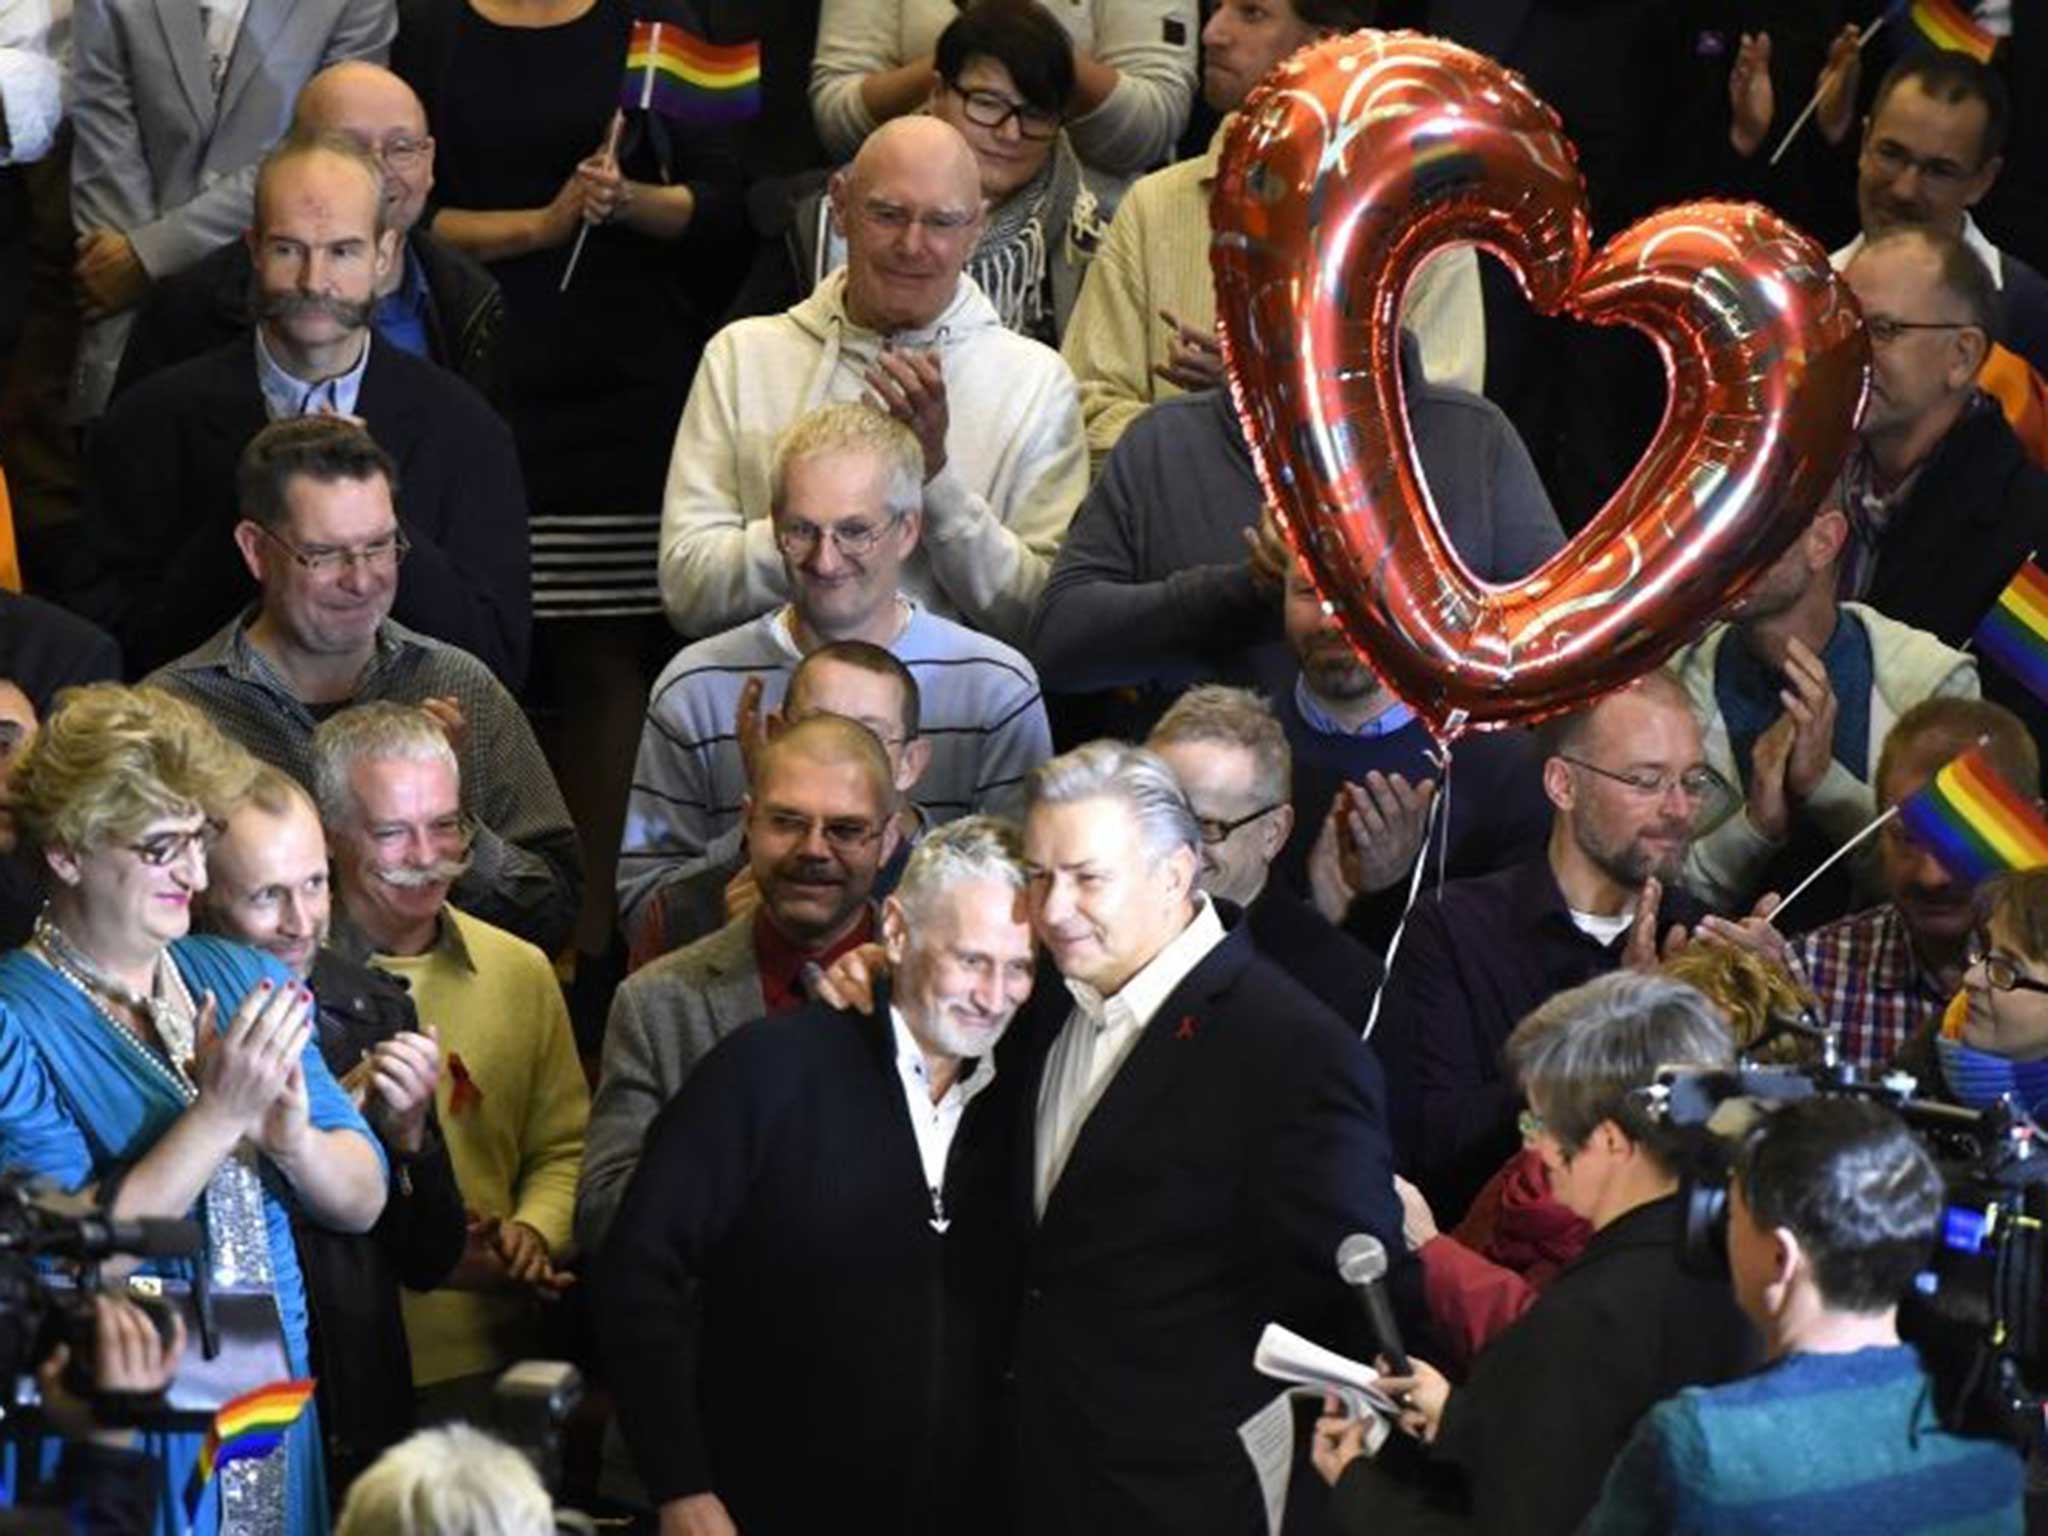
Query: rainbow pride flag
2015	632
1949	24
672	74
1974	822
247	1429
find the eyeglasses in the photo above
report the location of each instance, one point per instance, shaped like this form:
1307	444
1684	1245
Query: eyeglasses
377	555
895	219
842	834
2002	973
162	848
798	541
400	152
1214	831
1884	330
1894	160
1698	783
991	109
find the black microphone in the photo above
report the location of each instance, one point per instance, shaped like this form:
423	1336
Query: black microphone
1362	1265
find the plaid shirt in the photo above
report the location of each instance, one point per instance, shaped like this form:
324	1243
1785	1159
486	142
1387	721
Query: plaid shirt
526	867
1871	987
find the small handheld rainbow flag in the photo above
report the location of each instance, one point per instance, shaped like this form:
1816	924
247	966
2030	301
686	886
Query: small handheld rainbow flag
1948	24
2015	632
672	74
1974	822
246	1429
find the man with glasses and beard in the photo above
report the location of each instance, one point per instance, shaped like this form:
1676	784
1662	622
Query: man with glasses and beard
321	537
818	827
1627	781
512	1099
160	473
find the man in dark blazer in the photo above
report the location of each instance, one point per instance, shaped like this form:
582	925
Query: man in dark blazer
160	483
804	1304
435	302
1943	503
1204	1134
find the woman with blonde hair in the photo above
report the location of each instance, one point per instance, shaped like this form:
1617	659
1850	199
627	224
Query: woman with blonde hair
177	1074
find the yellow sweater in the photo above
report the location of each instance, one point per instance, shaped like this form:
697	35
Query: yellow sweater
1156	256
517	1146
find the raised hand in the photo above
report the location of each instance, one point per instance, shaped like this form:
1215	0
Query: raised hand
1386	819
401	1076
850	981
1751	101
1767	803
1809	699
1193	358
1642	951
241	1071
911	386
1840	74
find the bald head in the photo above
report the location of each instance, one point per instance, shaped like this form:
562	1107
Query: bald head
910	207
377	112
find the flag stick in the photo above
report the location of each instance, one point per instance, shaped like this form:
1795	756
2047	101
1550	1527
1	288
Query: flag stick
611	155
1821	90
1829	863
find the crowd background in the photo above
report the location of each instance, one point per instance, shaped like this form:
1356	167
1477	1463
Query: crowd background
607	586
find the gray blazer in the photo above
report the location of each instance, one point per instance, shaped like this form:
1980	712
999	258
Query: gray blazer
664	1018
156	157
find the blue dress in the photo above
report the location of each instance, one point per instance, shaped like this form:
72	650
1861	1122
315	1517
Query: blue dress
76	1105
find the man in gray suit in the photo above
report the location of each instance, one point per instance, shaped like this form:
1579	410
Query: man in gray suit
819	825
172	106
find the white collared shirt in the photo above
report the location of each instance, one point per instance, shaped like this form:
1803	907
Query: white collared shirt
1099	1035
935	1124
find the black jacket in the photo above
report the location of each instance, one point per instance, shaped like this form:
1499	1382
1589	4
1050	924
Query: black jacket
1476	957
1330	963
1237	1145
1553	1399
782	1320
189	313
1977	511
160	507
352	1280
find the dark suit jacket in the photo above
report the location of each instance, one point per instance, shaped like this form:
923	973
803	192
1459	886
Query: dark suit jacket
1330	963
1977	511
160	504
1236	1146
1552	1401
45	649
190	313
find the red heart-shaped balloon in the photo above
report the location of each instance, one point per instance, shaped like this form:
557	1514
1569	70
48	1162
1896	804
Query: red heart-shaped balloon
1355	161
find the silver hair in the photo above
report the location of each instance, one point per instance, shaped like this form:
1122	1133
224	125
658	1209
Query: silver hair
371	731
1117	770
969	849
451	1481
854	427
1233	717
1582	1056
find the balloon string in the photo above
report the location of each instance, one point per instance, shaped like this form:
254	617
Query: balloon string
1379	993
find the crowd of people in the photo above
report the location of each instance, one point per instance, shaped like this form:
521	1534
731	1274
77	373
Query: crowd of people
688	743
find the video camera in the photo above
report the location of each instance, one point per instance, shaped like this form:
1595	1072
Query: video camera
1976	1311
39	1311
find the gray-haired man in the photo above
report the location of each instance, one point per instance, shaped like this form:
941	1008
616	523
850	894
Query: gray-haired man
804	1301
1206	1134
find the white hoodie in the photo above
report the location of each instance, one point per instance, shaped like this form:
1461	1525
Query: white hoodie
1016	462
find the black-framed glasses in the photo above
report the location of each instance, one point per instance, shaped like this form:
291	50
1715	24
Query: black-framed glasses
1214	831
378	555
162	848
2002	973
1884	330
1699	783
798	540
1895	160
992	109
